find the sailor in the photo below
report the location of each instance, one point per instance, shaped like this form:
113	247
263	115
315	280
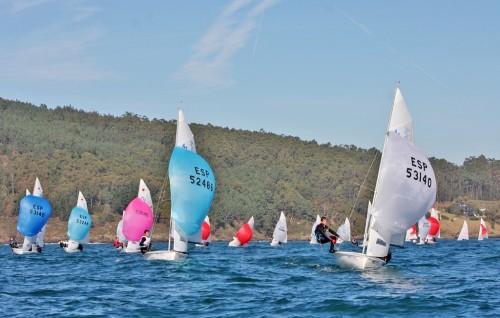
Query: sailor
145	242
13	243
322	235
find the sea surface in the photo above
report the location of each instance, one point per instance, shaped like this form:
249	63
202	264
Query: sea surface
449	279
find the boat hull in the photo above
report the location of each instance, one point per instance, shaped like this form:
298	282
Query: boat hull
164	255
357	260
20	251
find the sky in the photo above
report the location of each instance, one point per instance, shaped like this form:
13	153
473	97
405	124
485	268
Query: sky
319	70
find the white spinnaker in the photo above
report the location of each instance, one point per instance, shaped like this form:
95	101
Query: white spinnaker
280	231
406	189
313	239
184	137
423	228
464	232
344	231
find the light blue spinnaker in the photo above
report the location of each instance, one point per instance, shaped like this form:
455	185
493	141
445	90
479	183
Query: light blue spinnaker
34	212
79	223
192	188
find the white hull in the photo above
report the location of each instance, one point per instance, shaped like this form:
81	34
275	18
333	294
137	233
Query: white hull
235	243
20	251
357	260
71	250
164	256
275	243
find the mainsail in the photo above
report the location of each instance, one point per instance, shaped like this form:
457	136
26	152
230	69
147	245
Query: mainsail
344	231
483	231
312	239
464	232
280	231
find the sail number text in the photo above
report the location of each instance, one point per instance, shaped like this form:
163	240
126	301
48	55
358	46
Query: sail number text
418	172
82	220
199	178
37	210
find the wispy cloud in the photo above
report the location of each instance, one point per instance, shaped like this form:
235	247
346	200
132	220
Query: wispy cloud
389	47
56	51
210	64
19	6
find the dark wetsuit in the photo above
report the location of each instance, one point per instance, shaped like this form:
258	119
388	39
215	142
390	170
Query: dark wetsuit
144	244
322	237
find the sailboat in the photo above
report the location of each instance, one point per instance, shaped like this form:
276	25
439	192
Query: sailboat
312	237
122	240
464	232
433	230
137	218
192	189
244	235
437	216
404	192
483	231
411	234
280	231
206	235
423	230
344	232
34	212
79	225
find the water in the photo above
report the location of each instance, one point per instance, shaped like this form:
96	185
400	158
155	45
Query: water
449	279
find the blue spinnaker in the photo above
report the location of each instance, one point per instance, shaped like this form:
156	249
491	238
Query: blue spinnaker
79	223
34	212
192	188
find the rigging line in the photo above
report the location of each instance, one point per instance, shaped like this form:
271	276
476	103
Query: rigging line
158	202
362	185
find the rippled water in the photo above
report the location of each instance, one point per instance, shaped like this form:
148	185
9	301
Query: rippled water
449	279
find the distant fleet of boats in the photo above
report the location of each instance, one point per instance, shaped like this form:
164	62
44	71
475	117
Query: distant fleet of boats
405	190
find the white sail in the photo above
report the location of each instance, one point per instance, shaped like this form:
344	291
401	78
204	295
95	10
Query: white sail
405	190
464	232
82	203
313	239
483	231
145	194
401	121
411	234
119	231
40	237
423	229
344	232
280	231
37	190
184	137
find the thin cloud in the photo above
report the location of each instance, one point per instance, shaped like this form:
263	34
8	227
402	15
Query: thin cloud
210	64
389	47
57	51
19	6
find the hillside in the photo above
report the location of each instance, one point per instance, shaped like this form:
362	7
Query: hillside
257	173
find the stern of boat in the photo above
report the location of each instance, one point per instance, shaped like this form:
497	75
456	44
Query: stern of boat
357	260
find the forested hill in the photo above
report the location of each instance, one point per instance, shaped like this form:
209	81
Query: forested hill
257	173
